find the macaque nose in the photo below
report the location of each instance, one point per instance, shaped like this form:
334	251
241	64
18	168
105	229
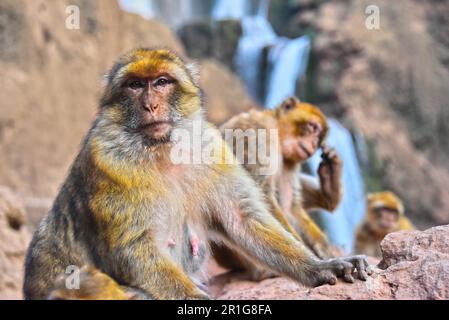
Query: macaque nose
150	107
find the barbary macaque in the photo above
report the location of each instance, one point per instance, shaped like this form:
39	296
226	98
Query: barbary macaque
385	214
302	129
129	207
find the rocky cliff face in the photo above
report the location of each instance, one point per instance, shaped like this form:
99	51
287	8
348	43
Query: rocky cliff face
415	266
14	239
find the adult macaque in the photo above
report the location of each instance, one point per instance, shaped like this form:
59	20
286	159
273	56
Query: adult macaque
128	210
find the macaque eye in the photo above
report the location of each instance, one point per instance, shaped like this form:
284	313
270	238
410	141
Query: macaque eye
313	127
378	211
160	82
136	84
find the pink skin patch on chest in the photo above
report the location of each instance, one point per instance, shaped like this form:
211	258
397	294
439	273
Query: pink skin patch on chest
195	244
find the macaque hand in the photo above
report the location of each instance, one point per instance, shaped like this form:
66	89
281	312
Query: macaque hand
345	268
329	172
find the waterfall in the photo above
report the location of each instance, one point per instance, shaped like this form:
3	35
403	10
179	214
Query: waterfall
231	9
340	225
288	59
257	34
144	8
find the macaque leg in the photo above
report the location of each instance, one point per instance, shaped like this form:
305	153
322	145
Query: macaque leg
312	235
152	276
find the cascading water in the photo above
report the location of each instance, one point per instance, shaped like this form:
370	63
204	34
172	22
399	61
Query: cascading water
289	60
340	224
257	34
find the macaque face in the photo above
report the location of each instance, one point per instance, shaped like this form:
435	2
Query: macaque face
310	140
302	129
150	97
386	218
149	92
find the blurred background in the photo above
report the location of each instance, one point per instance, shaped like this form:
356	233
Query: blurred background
385	90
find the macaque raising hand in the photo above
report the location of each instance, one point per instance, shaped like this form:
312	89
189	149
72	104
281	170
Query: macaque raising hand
302	129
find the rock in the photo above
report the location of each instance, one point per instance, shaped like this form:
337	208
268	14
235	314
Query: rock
14	239
415	265
208	39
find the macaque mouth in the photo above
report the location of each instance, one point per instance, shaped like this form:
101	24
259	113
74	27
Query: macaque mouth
156	129
306	151
156	125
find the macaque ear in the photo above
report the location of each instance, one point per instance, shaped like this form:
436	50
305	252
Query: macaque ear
194	72
289	103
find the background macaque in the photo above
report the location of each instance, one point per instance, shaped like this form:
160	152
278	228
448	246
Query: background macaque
128	210
385	214
302	130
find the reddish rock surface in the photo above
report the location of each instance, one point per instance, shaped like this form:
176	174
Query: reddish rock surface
14	239
415	265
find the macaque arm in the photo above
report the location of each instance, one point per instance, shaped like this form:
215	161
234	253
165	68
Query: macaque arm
312	235
314	197
269	189
265	241
151	270
250	227
280	216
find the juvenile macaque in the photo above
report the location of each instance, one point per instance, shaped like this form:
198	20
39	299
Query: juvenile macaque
128	209
385	214
302	129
